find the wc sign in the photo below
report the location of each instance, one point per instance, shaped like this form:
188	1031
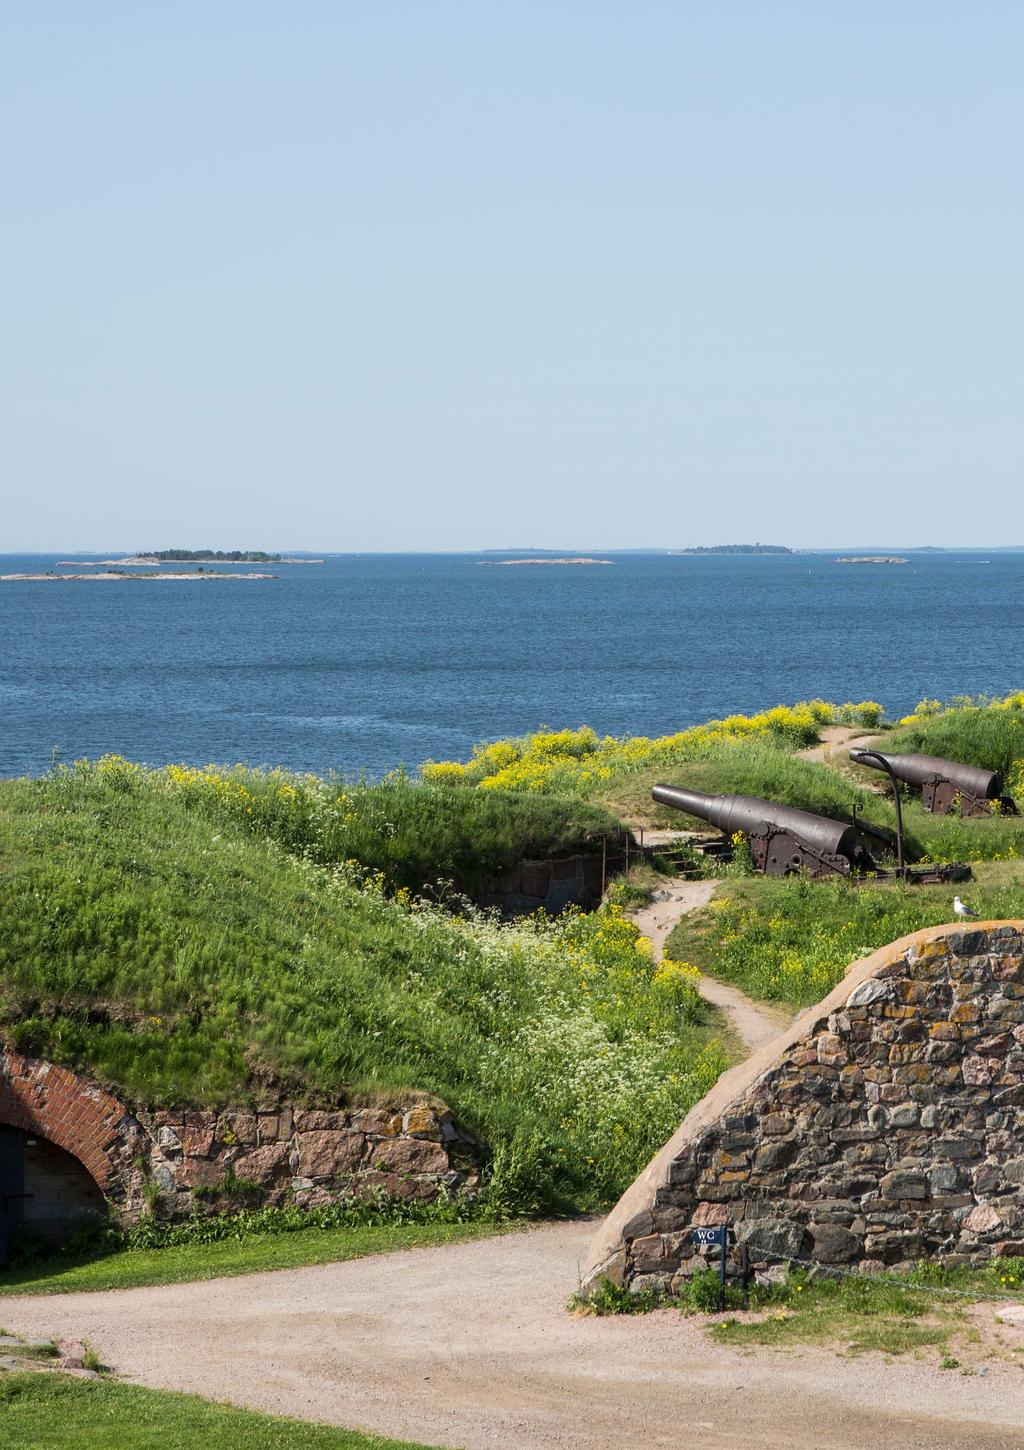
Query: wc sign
716	1238
706	1238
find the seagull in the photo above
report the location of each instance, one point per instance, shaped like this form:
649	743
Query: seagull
961	909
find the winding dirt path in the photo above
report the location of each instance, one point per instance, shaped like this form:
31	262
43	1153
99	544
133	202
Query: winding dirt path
754	1022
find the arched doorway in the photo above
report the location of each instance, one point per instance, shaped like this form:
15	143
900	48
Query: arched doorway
43	1188
68	1149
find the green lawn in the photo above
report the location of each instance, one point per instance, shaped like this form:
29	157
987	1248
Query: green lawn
136	1268
56	1412
791	940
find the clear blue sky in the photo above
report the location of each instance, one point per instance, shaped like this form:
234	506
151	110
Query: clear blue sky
408	275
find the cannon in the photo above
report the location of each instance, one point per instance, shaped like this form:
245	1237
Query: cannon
783	840
945	784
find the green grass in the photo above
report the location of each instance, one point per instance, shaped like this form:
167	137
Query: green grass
417	835
182	958
857	1314
791	940
756	767
179	1264
56	1412
988	735
860	1315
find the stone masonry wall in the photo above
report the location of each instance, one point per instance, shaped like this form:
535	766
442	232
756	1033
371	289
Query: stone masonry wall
887	1125
406	1148
550	886
310	1156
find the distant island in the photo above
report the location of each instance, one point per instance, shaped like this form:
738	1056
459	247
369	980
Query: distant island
871	559
504	563
184	556
210	556
117	573
735	549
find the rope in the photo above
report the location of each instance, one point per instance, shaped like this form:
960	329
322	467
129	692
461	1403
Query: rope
839	1272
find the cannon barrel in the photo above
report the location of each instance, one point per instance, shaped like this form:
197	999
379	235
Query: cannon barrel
753	816
975	780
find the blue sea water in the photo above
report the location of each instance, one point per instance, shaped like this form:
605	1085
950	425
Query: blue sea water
367	662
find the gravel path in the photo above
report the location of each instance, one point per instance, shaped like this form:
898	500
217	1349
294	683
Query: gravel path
834	739
470	1346
754	1022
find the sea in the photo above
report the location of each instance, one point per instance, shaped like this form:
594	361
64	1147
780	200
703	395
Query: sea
367	662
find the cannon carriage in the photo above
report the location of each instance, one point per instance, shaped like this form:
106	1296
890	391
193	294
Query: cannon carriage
946	785
786	841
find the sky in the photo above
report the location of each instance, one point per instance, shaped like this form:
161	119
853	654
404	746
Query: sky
338	276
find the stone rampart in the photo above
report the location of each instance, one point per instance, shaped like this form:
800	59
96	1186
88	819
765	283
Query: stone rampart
885	1126
276	1152
309	1156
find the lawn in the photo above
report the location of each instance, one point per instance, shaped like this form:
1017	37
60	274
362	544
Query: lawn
56	1412
791	940
180	1263
926	1309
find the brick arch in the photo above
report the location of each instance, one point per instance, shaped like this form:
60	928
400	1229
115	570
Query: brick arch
79	1116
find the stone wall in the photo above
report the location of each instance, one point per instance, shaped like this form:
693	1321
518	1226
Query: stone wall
276	1152
885	1126
310	1156
545	885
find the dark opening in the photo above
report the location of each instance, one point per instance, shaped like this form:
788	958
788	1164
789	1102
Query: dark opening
43	1189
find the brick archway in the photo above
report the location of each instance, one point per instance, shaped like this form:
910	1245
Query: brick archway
41	1098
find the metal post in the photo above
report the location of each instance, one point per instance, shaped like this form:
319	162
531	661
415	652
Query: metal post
604	861
721	1271
745	1271
884	765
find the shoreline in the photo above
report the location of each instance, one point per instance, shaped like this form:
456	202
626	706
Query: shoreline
134	578
513	563
138	561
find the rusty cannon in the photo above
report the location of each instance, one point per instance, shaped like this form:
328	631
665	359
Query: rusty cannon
784	841
945	784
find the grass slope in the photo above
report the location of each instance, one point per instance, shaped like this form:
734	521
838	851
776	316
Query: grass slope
54	1412
181	957
417	835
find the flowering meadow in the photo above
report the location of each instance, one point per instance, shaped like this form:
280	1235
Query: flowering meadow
579	762
792	940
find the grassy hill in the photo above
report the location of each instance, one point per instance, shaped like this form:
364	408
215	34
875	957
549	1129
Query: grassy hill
161	937
762	755
187	934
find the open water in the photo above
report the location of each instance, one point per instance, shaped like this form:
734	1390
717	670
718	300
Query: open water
367	662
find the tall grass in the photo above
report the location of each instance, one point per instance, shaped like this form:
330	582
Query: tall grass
182	958
792	940
415	834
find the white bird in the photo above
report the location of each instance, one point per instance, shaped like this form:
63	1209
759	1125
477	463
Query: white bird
961	909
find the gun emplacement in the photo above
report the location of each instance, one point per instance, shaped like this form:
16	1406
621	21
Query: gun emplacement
783	840
945	784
